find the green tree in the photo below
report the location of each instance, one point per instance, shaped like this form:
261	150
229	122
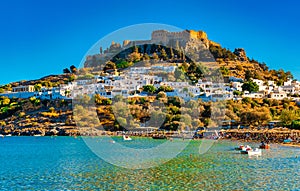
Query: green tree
71	78
134	57
247	100
122	121
239	67
171	53
185	67
66	71
149	88
295	124
155	56
157	118
118	98
165	88
238	93
123	63
146	57
161	94
5	101
2	123
73	69
224	71
186	119
179	75
250	86
37	87
287	116
248	75
163	54
109	65
263	115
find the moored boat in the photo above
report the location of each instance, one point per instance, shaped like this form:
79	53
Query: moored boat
245	149
255	152
240	147
265	146
126	138
289	140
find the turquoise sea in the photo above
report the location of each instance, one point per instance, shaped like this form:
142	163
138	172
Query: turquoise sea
66	163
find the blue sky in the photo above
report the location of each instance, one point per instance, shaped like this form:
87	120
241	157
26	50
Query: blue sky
39	38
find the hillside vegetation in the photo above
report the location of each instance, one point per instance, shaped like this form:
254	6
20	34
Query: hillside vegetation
31	116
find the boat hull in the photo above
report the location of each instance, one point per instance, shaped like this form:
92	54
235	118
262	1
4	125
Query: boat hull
126	138
264	146
254	152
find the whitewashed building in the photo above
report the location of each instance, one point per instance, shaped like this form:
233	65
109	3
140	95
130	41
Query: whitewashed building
260	94
278	95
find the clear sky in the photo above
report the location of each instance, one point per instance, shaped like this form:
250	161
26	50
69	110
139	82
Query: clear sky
39	38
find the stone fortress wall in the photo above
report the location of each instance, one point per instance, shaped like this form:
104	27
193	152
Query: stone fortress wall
164	37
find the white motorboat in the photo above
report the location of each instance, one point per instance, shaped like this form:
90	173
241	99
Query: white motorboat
245	149
255	152
126	138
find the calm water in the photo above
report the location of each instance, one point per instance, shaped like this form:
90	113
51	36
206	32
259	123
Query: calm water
66	163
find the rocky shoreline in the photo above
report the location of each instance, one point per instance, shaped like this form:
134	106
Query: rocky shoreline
49	131
277	135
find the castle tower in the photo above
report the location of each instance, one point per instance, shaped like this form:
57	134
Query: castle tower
159	36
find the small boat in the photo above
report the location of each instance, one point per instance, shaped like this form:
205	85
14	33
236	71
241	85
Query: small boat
264	146
245	149
126	138
254	152
240	147
287	140
37	135
1	135
8	135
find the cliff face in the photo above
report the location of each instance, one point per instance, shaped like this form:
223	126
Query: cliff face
198	34
201	35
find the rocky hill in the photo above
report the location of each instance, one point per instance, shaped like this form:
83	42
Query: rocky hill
165	46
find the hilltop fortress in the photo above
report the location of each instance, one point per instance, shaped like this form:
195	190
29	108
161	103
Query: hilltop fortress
188	40
165	36
171	38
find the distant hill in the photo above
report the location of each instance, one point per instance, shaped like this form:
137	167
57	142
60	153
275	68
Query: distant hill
47	81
